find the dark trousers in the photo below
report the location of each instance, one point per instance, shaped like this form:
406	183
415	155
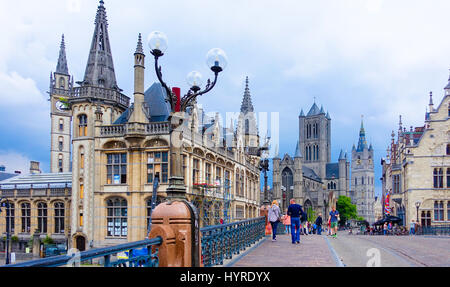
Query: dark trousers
274	229
295	229
319	229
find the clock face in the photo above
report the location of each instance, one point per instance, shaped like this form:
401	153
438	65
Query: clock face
60	106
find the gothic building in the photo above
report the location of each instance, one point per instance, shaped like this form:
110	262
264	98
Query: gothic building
106	153
416	169
363	178
310	177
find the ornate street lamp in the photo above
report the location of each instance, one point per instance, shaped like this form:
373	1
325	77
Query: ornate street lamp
216	61
417	207
264	167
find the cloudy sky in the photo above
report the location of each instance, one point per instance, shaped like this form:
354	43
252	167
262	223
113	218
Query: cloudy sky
375	58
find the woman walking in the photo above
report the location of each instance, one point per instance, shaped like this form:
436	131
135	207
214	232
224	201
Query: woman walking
274	218
287	223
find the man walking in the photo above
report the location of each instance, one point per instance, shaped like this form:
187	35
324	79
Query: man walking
294	211
333	220
319	224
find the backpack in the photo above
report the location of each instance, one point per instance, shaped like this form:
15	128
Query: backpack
304	216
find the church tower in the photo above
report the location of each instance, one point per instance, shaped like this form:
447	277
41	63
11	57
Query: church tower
97	101
363	177
315	139
61	84
247	119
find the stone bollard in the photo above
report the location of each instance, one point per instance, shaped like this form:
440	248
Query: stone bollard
264	211
176	222
36	245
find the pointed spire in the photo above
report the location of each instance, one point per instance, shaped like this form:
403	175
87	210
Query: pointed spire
302	114
431	98
314	110
298	153
328	116
139	48
100	68
400	124
277	155
322	111
448	85
247	106
341	155
362	143
61	67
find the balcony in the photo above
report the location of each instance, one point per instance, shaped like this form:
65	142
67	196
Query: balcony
89	92
135	129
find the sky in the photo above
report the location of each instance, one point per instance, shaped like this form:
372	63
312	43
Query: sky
375	58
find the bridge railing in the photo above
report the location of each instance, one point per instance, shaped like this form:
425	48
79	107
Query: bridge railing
435	230
149	259
221	242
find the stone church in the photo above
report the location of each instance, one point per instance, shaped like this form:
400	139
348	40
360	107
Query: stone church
311	177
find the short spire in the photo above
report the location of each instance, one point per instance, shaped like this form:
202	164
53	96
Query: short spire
298	153
448	85
247	106
139	48
61	67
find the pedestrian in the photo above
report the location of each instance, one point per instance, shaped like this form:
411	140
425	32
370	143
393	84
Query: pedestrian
385	227
294	212
274	218
305	227
412	228
333	221
319	224
287	222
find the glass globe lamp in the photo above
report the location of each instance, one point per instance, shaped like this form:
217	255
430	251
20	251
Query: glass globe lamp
194	80
158	43
216	59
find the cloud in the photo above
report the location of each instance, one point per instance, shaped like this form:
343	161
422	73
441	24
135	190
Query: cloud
14	161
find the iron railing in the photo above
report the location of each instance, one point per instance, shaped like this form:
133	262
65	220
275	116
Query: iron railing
434	230
221	242
135	259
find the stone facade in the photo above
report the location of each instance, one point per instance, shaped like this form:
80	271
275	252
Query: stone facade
416	169
363	178
114	151
310	177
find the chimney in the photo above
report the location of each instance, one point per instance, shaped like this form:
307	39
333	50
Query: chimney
34	167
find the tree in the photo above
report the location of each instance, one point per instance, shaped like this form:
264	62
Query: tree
346	209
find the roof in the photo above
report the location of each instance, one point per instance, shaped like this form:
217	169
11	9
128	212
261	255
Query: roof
314	110
332	170
25	181
5	176
309	173
155	101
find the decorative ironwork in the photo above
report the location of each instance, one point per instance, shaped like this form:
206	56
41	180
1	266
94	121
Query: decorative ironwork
221	242
149	259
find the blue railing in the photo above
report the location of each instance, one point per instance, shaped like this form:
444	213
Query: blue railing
221	242
435	230
140	254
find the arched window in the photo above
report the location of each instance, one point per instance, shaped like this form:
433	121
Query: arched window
318	155
62	83
356	181
448	182
439	210
42	217
61	125
117	225
287	180
448	149
60	143
26	217
82	125
81	157
10	212
81	189
60	163
438	178
59	217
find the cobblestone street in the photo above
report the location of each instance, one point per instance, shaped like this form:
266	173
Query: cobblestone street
313	251
350	251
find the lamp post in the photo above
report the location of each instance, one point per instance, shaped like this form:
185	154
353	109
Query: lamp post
216	61
417	208
8	227
264	167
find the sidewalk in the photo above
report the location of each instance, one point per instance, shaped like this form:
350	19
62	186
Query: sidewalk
313	251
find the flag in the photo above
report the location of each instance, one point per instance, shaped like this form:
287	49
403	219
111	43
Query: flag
387	208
